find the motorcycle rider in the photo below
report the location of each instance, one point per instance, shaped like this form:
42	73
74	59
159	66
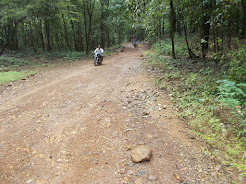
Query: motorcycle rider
100	51
134	42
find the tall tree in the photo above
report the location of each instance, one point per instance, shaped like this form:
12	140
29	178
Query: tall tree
205	26
172	28
102	23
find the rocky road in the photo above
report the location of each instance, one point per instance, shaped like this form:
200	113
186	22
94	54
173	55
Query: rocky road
78	124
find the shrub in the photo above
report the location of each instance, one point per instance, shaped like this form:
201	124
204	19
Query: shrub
12	61
214	109
164	47
236	64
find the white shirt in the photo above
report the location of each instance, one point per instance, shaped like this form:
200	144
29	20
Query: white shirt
98	50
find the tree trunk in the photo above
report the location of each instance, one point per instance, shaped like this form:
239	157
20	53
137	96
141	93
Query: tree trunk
102	26
214	40
15	40
41	33
2	36
66	33
31	37
244	18
229	35
74	36
163	25
12	35
80	38
108	38
90	8
172	28
174	21
217	42
191	54
222	42
24	35
9	35
47	31
179	30
58	42
108	31
86	31
238	22
205	28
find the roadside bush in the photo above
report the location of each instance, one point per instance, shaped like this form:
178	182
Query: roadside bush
214	107
236	62
232	94
12	61
68	55
112	49
164	47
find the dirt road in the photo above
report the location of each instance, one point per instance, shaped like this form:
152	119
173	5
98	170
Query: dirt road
77	124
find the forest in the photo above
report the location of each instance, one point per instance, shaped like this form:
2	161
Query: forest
74	25
207	37
63	25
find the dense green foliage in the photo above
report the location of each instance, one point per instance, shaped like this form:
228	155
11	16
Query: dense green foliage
236	64
63	24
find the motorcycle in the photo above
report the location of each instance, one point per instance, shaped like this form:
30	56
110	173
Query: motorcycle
98	59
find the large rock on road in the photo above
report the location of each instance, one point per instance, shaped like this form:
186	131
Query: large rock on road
141	153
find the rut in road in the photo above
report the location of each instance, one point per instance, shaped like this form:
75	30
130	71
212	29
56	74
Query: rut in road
77	124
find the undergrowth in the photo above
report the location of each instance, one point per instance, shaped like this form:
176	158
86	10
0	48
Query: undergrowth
213	106
6	61
28	53
18	59
112	49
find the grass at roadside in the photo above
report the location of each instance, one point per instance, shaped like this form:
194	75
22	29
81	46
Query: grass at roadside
11	76
213	107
